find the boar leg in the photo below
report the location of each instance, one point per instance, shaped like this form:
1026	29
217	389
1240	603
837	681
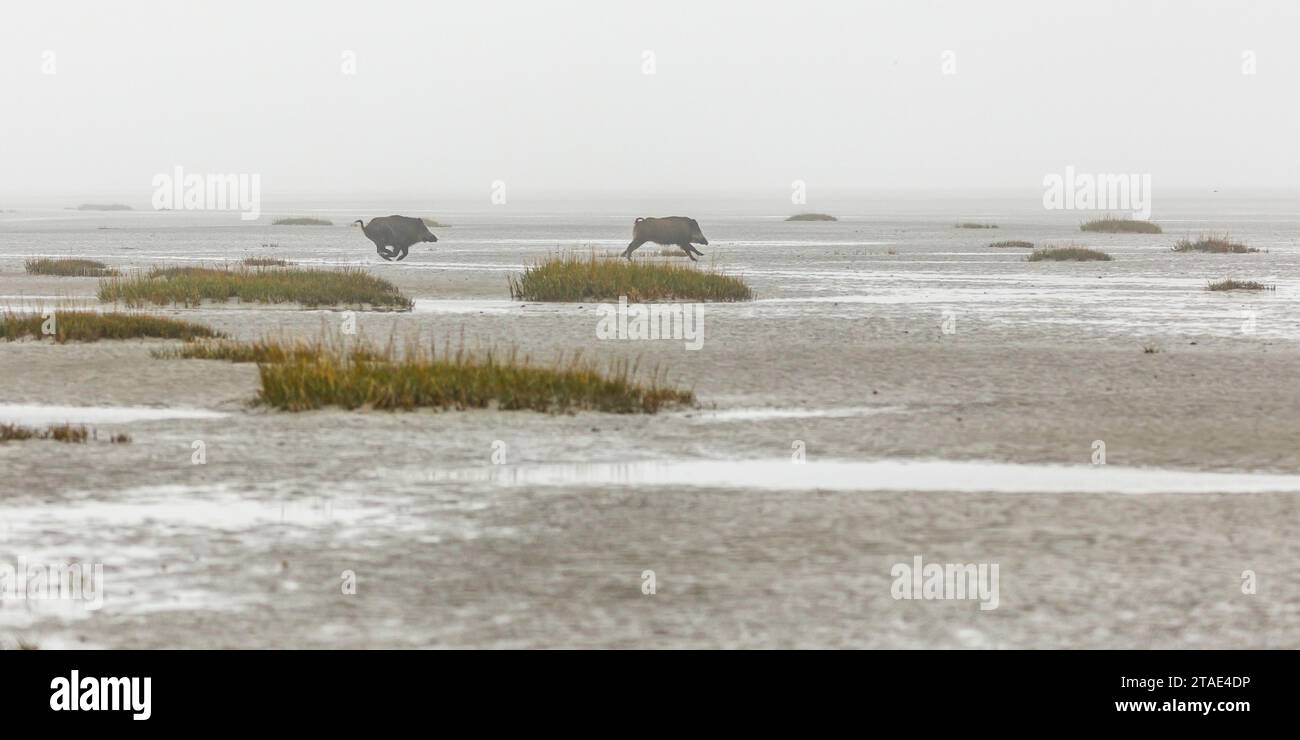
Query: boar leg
632	248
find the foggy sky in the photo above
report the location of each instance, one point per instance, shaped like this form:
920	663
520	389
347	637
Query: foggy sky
551	98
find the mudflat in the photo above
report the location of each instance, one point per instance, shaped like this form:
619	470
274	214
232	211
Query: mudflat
251	548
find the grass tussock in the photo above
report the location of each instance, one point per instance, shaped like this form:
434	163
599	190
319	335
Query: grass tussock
1231	284
1213	245
572	278
266	262
1110	225
812	217
1077	254
1013	244
90	326
68	267
192	285
669	252
974	225
56	432
299	376
302	221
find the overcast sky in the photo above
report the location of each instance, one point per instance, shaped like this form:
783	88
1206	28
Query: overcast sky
552	97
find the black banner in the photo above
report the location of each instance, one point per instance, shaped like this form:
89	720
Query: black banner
208	689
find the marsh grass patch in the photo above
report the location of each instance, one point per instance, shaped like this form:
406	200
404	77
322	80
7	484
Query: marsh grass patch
812	217
1013	244
975	225
68	267
268	350
1231	284
67	433
92	326
302	375
573	278
1069	253
1213	245
190	286
1112	225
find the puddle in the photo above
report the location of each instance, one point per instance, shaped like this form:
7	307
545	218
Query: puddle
432	305
883	475
29	414
766	414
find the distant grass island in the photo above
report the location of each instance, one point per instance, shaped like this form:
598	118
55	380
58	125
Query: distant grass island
1231	284
812	217
1213	245
1109	225
1068	254
302	222
104	207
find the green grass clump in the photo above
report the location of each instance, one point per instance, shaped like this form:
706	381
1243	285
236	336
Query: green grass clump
192	285
1109	225
264	350
304	376
68	267
266	262
1213	245
573	278
56	432
1083	254
1013	244
300	221
812	217
1239	285
91	326
973	225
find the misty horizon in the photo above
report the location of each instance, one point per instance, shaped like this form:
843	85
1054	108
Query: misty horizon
590	100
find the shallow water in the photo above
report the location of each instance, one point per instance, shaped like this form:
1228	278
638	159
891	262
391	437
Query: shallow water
879	265
12	413
883	475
